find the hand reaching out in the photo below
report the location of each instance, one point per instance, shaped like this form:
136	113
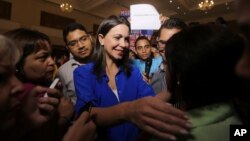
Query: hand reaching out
83	129
163	18
157	117
66	110
38	110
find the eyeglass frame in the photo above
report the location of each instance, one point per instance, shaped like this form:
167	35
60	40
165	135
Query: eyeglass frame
161	42
74	43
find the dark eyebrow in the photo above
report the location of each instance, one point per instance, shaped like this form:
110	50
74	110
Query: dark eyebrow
44	52
74	40
120	35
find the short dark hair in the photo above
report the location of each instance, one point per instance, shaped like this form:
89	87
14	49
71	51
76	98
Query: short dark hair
29	41
141	38
173	23
71	27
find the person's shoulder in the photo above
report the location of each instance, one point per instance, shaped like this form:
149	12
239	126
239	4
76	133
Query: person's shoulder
87	68
135	60
134	68
66	65
158	58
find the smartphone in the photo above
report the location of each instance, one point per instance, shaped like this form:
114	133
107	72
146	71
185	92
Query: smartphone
53	84
148	65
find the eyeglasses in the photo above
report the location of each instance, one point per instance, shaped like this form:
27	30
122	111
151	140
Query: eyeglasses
82	39
161	42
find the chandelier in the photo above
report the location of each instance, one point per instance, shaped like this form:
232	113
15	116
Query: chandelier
206	5
66	7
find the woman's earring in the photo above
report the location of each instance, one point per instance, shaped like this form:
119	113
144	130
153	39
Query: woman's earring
178	82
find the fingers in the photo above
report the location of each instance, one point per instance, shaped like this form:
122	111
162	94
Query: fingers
66	107
82	129
156	105
48	104
39	91
167	123
85	120
65	100
46	107
163	18
159	118
164	95
59	85
84	117
173	116
91	127
163	135
166	114
165	107
53	93
49	100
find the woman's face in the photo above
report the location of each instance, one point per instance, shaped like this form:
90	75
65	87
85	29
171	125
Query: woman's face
115	42
10	90
39	66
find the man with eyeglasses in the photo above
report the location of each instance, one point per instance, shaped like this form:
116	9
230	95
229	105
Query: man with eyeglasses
169	27
79	44
167	30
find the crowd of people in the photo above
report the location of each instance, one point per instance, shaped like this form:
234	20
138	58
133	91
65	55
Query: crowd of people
195	82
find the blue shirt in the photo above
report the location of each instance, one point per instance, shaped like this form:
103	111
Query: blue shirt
156	62
98	92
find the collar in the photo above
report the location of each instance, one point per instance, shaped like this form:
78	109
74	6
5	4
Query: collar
210	114
120	70
75	63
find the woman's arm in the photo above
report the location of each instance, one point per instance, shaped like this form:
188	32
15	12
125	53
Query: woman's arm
150	114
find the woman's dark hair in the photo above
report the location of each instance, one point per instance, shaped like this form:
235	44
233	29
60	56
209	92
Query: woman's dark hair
202	60
29	41
99	53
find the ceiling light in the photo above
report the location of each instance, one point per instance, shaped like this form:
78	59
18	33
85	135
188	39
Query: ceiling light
206	4
66	7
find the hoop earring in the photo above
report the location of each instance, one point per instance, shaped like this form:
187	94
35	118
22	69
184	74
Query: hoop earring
178	82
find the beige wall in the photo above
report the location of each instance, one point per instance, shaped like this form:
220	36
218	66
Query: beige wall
26	13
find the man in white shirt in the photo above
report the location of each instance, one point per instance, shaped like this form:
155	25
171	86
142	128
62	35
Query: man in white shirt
79	44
